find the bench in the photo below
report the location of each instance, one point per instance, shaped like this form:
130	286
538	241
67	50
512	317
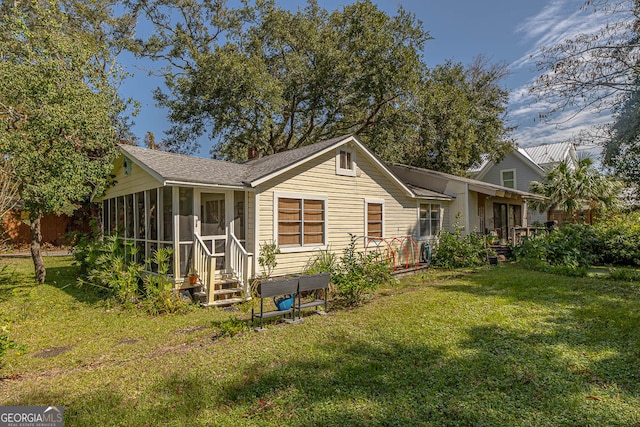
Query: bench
274	288
316	283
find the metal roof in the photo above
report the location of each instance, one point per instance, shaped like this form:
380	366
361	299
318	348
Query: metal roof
549	153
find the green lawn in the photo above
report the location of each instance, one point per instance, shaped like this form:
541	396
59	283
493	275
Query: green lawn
495	347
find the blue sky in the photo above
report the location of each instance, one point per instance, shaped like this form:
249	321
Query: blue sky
509	31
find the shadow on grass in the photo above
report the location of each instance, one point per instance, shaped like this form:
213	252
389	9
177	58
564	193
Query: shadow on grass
496	374
502	378
66	278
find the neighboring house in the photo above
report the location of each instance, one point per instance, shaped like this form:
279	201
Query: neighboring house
215	214
524	165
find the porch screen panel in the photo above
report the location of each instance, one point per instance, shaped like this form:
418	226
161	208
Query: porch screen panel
113	220
313	222
186	214
129	216
289	221
142	221
152	227
374	219
105	215
120	215
167	214
515	215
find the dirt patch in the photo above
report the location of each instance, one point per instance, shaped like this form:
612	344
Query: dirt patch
52	352
128	341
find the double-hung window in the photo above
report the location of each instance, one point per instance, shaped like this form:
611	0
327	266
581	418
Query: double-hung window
345	162
430	219
374	218
301	221
508	178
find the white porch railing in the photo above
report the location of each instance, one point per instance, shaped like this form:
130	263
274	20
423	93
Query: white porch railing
240	263
205	265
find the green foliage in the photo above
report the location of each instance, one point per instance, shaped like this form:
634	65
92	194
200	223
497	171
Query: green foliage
58	104
159	296
573	190
109	263
358	274
456	251
624	274
622	149
231	327
620	236
461	117
324	261
267	258
572	248
569	250
284	79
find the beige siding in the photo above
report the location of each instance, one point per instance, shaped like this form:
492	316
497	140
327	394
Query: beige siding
345	212
137	180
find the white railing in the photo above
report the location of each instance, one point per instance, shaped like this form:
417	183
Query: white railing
240	263
205	265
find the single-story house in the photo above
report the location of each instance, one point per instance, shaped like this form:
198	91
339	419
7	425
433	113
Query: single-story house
477	206
216	214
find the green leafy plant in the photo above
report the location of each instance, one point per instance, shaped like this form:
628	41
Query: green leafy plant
324	261
267	258
454	250
358	274
159	295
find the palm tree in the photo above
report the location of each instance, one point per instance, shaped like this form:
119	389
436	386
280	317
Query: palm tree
575	190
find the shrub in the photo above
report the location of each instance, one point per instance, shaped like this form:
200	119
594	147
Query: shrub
455	251
619	235
324	261
358	274
159	295
569	250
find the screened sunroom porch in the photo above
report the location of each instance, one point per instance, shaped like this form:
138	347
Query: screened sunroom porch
205	229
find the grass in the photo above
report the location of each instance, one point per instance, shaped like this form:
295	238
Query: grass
500	346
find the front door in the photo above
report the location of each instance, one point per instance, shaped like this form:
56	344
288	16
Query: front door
212	223
500	221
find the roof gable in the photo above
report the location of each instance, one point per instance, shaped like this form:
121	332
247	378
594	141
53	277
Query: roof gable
520	154
177	169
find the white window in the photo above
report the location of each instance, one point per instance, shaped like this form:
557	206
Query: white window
300	221
374	218
345	162
430	219
508	178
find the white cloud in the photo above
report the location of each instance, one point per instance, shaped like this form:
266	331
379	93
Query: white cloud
558	20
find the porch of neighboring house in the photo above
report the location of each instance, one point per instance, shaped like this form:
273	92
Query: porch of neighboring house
205	228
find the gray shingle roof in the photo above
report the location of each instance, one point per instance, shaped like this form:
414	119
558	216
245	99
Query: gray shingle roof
264	166
178	167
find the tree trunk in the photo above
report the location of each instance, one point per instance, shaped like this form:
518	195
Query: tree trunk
36	255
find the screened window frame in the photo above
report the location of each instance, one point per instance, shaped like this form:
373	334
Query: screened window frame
145	243
301	246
